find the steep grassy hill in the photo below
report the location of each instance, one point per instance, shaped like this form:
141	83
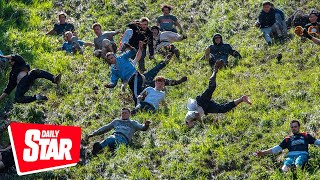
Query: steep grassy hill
223	149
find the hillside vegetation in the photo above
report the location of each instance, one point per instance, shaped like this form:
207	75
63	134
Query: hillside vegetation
280	91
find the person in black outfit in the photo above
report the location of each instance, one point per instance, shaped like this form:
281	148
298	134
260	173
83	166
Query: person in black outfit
141	32
313	27
22	78
219	51
6	159
61	27
203	104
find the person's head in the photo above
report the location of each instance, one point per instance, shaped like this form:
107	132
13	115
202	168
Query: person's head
295	126
190	118
159	83
143	23
111	58
125	113
97	29
62	17
155	30
166	9
68	36
313	17
266	6
217	39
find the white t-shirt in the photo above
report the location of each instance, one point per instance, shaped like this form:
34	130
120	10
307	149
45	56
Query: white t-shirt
154	97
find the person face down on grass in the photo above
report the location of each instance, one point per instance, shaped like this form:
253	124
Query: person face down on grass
124	129
22	78
122	67
151	97
220	50
297	144
203	104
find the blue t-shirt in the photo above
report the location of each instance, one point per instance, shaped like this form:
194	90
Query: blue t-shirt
167	22
154	97
67	46
298	142
124	68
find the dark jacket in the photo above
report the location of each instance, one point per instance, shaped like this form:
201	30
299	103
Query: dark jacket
267	19
140	35
222	50
18	66
312	24
281	13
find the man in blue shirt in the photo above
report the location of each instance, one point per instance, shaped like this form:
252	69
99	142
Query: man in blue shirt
72	44
123	68
297	144
167	21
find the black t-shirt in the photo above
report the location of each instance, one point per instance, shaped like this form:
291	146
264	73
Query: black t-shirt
62	28
298	142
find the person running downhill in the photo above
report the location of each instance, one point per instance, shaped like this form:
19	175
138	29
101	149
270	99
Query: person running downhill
167	21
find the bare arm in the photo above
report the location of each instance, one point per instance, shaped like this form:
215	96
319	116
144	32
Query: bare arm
273	150
52	32
315	40
139	53
179	26
88	44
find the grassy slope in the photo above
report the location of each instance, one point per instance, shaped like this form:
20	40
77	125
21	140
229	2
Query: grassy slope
223	149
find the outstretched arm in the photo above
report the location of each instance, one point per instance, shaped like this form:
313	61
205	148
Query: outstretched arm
102	130
315	40
273	150
139	53
52	32
179	26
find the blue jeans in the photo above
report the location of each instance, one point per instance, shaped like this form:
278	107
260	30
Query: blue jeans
114	141
273	29
298	160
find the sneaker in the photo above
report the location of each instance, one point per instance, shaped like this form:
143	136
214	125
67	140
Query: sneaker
96	148
177	53
40	97
57	79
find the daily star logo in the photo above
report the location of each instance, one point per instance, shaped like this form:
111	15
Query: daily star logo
38	147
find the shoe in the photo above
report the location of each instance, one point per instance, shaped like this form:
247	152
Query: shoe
57	79
182	80
40	97
96	148
177	53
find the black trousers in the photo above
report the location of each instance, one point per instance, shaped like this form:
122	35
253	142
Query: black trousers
208	105
27	81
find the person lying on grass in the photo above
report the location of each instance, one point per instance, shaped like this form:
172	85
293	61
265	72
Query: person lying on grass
123	68
151	97
72	44
204	105
22	78
124	129
297	144
6	159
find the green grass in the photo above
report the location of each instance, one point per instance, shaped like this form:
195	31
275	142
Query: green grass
280	92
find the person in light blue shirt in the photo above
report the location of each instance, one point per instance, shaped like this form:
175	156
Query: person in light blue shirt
122	67
72	44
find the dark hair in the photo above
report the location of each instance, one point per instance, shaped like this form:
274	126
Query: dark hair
123	109
295	121
267	3
166	6
314	12
155	27
96	24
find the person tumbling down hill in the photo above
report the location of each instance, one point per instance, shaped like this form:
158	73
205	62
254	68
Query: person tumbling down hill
123	68
219	51
72	44
124	129
297	144
167	21
151	97
22	78
6	159
61	27
267	22
203	104
304	33
104	42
